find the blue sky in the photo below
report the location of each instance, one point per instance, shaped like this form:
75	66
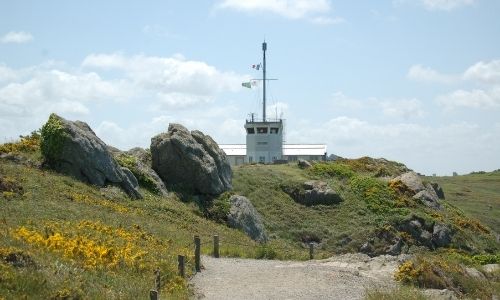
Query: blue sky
417	81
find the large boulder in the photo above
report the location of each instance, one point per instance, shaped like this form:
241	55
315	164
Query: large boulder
243	215
423	192
190	160
312	193
73	148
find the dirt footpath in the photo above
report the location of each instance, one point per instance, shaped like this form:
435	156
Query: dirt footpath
341	277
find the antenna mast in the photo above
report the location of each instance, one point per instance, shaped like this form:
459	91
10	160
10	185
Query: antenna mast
264	48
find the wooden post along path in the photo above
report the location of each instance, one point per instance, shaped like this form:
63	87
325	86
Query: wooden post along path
216	246
197	252
311	250
181	260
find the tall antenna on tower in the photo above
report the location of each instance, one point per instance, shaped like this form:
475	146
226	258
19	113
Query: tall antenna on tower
264	48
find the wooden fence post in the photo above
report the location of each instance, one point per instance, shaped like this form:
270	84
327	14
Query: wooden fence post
216	246
180	259
153	295
311	250
197	251
157	280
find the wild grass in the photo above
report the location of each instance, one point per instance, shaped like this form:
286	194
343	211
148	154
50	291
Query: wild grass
398	293
97	243
478	195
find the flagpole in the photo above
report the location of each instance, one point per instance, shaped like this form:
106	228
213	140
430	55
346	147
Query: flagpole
264	48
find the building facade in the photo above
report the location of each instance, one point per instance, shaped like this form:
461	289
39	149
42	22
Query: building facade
237	153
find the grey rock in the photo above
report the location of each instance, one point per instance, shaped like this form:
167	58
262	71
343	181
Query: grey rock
438	189
420	231
396	248
313	193
86	157
191	160
490	268
243	215
412	181
367	248
131	178
423	192
436	294
441	235
144	170
304	164
428	199
474	273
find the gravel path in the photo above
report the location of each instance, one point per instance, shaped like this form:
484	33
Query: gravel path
340	277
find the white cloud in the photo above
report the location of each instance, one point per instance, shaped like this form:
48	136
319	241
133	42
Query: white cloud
393	108
169	75
405	108
426	74
327	20
16	37
487	72
315	11
484	76
470	99
445	5
138	84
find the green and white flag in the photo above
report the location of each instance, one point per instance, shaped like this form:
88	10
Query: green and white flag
247	84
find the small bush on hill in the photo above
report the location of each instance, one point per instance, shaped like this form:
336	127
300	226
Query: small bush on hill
332	169
53	135
28	143
442	271
218	209
131	163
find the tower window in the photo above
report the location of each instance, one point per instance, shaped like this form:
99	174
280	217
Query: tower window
251	130
274	130
261	129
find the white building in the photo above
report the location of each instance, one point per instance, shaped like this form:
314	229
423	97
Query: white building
264	138
237	153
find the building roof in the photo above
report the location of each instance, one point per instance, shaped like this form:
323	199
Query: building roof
304	149
288	149
234	149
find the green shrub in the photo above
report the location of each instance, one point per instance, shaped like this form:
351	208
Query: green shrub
338	170
53	136
131	163
377	195
28	143
218	209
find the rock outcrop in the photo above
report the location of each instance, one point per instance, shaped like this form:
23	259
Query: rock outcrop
424	193
243	215
438	189
138	160
73	148
432	235
313	193
190	160
304	164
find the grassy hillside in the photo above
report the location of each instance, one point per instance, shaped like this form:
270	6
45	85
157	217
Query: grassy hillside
63	239
478	195
371	208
